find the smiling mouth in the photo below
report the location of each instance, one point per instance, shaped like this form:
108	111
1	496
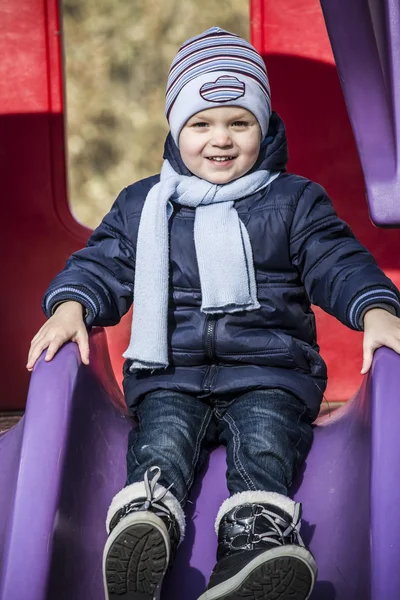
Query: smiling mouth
220	158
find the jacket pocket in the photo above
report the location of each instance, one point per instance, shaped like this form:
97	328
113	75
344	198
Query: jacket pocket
316	363
296	350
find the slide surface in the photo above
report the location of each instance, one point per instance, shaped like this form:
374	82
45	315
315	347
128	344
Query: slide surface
66	459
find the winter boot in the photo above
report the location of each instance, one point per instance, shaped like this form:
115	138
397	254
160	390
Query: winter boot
145	523
261	555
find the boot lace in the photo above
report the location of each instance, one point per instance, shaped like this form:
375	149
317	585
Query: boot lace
280	532
152	501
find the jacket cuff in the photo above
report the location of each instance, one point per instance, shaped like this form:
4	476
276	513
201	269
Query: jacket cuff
373	298
77	293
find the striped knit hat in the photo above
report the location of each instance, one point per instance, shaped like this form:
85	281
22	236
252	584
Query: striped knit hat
216	68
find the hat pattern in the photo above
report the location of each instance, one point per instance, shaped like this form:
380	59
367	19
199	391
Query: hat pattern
216	68
223	89
214	50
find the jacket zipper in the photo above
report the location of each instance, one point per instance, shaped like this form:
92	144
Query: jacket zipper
210	352
210	342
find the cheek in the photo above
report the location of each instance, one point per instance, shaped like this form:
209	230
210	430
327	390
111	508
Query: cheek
251	146
190	149
251	151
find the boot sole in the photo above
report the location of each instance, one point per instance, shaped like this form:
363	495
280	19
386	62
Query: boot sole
274	575
136	558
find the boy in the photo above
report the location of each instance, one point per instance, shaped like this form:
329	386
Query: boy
222	253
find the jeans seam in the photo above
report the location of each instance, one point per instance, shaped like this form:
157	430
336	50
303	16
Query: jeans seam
236	447
200	438
132	448
133	453
300	436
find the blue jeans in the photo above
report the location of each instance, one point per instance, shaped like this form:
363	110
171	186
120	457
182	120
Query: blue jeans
267	434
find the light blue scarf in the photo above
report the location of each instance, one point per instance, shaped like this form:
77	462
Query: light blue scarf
223	250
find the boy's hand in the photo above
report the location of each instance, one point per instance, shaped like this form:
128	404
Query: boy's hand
66	324
381	328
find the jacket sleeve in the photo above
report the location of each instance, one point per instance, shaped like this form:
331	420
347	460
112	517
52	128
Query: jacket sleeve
339	274
101	275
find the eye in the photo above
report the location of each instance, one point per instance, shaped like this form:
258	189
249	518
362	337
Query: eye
200	124
240	124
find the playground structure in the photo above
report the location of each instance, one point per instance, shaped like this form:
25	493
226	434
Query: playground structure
61	464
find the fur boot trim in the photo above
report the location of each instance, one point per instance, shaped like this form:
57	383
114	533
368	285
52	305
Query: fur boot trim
250	497
137	490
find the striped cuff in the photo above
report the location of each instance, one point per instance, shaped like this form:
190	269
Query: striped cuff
376	296
78	294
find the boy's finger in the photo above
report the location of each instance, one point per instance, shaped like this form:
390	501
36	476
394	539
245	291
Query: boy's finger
396	345
31	361
35	349
37	346
83	343
34	354
30	358
367	361
52	349
37	336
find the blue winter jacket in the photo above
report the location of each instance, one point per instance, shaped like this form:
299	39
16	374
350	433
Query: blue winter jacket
302	253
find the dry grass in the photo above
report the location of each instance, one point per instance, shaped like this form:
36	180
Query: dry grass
118	54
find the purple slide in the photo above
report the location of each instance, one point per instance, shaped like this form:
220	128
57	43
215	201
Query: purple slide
365	39
66	458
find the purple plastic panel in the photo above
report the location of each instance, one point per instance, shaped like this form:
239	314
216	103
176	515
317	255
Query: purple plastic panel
39	445
385	476
72	460
71	454
365	38
10	445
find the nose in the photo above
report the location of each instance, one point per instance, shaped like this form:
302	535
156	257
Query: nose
221	138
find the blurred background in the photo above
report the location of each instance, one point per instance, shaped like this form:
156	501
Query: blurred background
117	56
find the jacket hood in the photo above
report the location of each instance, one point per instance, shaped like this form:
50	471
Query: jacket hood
273	153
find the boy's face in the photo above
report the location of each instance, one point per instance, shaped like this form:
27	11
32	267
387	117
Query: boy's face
220	144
